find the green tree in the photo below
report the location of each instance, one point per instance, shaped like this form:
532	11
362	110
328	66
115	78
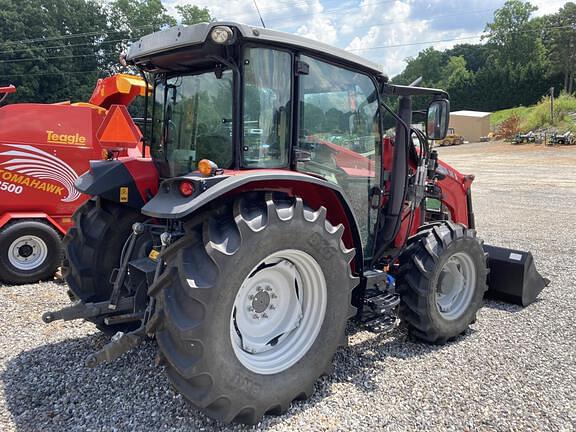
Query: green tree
475	55
510	35
129	20
136	18
455	72
458	81
428	65
562	42
192	14
51	49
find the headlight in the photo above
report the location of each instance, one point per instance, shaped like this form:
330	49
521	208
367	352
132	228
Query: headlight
221	34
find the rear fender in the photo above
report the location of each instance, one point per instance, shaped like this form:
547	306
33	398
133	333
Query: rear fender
129	181
170	204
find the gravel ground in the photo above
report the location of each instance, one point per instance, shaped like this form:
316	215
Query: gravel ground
514	370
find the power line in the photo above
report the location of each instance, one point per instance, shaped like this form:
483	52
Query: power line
96	33
75	35
451	39
413	43
433	17
65	46
57	57
291	5
55	73
343	9
327	11
352	50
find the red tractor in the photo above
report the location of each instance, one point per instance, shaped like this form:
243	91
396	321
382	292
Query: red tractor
273	211
43	149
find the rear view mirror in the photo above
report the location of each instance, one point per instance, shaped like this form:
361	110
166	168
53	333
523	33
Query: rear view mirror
437	119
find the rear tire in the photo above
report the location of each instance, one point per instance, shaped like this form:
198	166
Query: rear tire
92	250
203	306
441	281
30	251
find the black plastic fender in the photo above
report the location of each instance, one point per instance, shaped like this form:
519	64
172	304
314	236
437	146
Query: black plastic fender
170	204
110	179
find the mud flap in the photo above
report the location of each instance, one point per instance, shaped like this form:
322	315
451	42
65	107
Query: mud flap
513	276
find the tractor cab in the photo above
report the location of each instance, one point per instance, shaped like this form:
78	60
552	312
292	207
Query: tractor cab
245	98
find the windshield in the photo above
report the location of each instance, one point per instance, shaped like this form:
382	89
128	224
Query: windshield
193	121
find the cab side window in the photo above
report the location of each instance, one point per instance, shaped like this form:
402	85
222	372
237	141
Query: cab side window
340	134
267	108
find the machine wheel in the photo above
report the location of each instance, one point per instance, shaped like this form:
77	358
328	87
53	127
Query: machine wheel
30	251
442	281
252	306
445	143
92	250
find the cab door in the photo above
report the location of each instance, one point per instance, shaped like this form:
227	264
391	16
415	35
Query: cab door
339	128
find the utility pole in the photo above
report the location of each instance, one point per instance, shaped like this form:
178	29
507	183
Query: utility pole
552	105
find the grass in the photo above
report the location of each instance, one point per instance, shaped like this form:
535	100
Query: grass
538	116
498	117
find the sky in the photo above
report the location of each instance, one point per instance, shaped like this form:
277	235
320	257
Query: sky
384	31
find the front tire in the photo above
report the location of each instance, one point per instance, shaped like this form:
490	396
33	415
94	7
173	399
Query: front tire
30	251
226	350
441	281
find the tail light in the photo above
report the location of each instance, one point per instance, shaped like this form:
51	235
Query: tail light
186	188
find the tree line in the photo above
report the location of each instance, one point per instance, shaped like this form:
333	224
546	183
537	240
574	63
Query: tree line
55	50
521	58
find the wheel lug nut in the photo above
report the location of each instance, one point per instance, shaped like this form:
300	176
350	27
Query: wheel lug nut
255	316
272	307
264	315
250	297
268	288
259	288
273	296
250	309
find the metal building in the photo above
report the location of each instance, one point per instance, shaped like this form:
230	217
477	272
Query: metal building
470	124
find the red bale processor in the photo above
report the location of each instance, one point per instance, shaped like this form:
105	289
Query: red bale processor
44	148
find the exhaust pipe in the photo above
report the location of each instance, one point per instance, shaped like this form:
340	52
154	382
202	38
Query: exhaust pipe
513	276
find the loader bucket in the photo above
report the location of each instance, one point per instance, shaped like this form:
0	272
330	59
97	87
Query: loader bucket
513	276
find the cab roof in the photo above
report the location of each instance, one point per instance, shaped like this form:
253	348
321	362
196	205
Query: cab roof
179	37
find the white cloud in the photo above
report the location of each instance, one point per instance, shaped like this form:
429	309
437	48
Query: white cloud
361	24
319	28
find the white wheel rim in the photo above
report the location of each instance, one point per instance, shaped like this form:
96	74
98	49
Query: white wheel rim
456	285
278	312
27	252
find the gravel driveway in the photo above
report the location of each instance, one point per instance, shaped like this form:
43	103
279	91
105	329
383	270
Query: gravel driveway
515	369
